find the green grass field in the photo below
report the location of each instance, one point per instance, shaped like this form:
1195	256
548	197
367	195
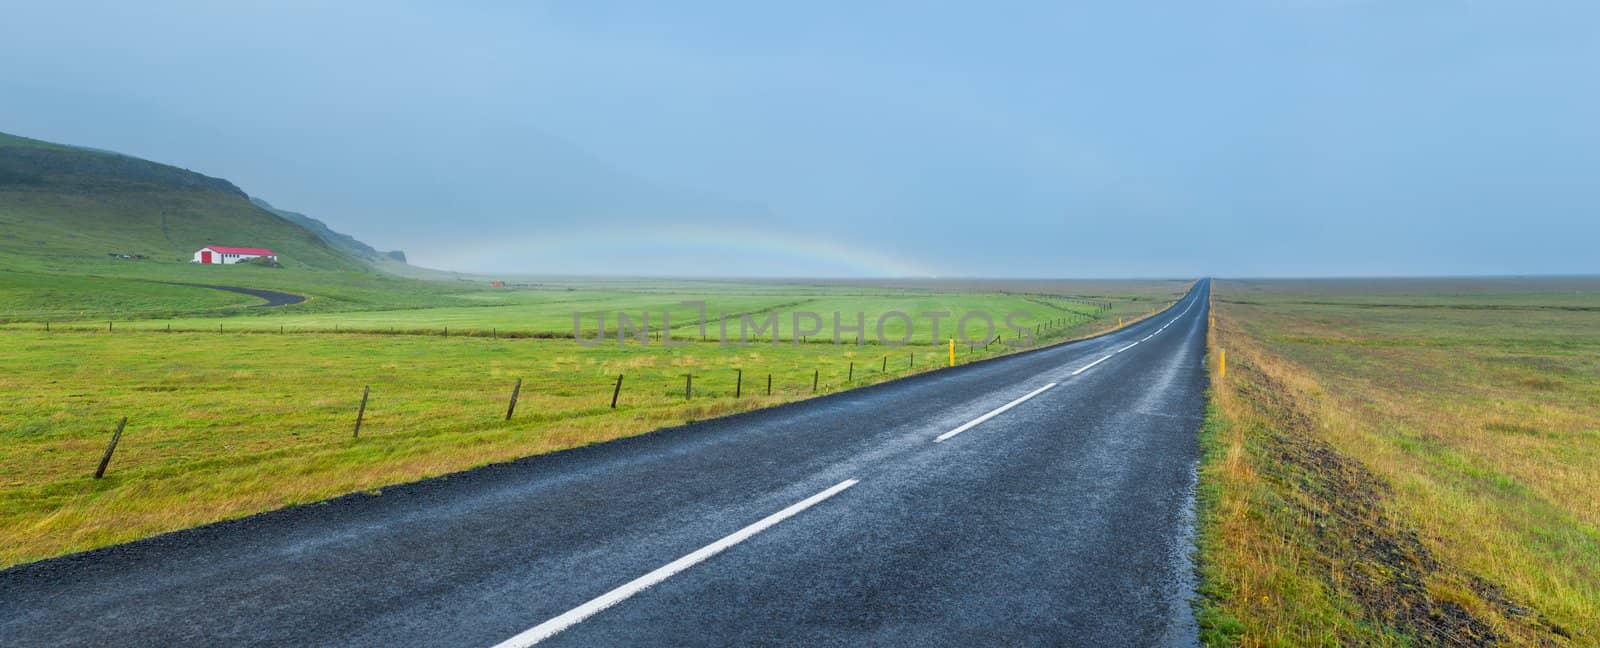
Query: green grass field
102	289
1404	462
227	424
551	312
233	409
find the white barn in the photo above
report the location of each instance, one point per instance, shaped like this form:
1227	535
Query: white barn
218	254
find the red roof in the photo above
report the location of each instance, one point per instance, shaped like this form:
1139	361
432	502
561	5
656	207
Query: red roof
234	250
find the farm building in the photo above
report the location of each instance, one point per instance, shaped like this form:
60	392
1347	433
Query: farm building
217	254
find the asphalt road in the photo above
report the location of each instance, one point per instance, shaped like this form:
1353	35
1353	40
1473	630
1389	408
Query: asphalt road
1063	520
272	298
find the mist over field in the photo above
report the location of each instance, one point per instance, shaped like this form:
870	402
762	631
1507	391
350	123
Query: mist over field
1251	323
834	139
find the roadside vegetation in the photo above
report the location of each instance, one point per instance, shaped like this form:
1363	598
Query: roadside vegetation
222	425
234	409
1403	463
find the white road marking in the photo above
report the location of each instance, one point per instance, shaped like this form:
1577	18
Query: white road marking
970	424
572	617
1088	366
996	412
1170	322
599	604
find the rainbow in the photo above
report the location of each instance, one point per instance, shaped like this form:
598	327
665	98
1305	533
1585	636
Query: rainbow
752	252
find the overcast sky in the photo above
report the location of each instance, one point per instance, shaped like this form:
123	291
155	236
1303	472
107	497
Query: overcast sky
1266	137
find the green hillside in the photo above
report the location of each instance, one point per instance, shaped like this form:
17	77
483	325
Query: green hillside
91	234
61	207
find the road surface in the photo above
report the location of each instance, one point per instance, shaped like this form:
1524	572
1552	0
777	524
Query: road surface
1038	499
272	298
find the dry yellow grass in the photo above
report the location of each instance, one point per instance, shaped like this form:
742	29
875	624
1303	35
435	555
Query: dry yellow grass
1410	473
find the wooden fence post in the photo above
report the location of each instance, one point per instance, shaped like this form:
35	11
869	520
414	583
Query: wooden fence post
885	367
851	377
616	392
106	458
688	385
815	373
515	392
769	384
738	384
362	412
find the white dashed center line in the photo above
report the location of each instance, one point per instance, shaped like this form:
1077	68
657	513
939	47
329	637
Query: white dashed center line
996	412
572	617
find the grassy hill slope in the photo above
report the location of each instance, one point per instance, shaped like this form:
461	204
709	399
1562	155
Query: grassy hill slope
90	234
61	207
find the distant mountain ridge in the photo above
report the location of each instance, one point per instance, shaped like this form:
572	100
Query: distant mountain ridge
339	240
59	203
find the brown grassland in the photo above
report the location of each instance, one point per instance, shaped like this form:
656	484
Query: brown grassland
1403	462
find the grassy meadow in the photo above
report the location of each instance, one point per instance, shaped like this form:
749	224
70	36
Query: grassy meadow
1403	462
234	409
33	291
227	424
544	313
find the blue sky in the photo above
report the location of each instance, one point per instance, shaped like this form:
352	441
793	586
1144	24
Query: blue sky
841	138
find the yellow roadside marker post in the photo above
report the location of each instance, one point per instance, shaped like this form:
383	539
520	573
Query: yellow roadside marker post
1222	363
952	352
